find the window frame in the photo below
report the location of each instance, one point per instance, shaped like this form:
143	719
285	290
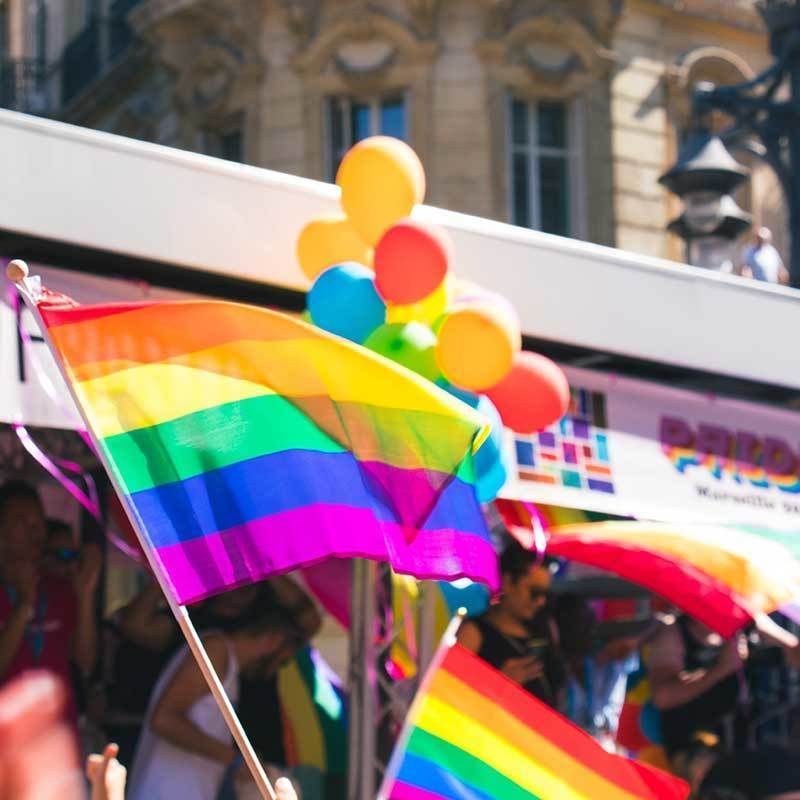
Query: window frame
573	154
374	102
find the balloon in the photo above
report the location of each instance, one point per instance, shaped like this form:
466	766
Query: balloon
491	462
427	310
381	181
328	241
488	485
477	344
411	261
411	344
344	301
533	395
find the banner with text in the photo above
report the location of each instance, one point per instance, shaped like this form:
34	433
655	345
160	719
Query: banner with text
632	448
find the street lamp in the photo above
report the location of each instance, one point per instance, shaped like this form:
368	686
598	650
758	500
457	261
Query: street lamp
757	112
705	177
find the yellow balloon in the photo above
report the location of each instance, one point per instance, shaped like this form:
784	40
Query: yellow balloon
427	310
328	241
381	179
476	346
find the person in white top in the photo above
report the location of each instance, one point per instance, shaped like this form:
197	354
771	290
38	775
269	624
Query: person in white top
185	746
762	261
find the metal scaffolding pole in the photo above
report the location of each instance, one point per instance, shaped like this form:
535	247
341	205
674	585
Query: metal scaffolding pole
362	683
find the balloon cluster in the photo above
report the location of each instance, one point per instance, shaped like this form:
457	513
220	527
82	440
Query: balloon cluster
385	280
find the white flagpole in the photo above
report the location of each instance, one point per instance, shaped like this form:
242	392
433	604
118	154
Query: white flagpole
17	272
447	641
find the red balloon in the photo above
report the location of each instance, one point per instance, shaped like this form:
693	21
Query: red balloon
533	395
411	260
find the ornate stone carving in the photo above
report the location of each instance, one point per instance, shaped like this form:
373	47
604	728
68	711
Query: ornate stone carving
552	46
424	14
211	46
361	44
301	17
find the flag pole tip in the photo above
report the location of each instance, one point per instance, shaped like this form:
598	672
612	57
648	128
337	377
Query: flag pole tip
462	612
17	271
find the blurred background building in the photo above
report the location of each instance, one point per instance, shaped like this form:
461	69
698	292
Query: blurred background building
553	114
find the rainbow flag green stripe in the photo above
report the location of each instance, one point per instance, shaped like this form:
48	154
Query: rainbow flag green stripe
249	443
472	732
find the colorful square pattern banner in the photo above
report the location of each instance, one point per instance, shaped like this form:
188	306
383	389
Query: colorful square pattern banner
638	449
572	453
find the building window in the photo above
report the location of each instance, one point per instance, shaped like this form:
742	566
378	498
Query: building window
352	119
226	142
545	167
36	27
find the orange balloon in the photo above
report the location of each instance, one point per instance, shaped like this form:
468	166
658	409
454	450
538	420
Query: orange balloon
476	346
328	241
411	261
381	179
533	395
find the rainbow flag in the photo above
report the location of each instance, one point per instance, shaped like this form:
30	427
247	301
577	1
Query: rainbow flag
472	734
248	443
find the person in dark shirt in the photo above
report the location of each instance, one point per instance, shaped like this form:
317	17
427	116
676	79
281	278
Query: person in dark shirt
693	676
767	773
517	635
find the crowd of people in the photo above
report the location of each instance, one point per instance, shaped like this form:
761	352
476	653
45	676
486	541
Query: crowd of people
130	680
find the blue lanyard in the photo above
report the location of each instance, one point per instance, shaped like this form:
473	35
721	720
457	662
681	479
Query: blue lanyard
34	630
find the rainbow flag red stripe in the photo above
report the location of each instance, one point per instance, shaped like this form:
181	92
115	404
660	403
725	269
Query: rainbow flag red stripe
473	733
248	443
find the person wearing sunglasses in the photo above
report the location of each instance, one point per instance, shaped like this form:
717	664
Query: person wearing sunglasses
517	635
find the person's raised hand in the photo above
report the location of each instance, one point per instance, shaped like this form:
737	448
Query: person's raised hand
522	670
87	574
38	752
106	775
284	790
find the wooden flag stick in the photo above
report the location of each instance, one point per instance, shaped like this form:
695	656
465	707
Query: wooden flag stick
17	272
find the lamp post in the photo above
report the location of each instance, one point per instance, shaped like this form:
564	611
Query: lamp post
757	111
704	177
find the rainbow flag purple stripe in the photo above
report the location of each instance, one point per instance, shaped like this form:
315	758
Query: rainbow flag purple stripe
247	443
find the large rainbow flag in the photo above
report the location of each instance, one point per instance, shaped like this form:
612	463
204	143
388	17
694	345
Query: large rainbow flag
474	734
247	443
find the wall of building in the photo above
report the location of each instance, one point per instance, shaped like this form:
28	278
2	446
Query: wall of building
627	66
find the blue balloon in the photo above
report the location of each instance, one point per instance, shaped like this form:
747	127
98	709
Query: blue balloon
491	462
344	301
488	484
474	597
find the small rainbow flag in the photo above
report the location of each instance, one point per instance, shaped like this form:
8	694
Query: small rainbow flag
472	734
248	443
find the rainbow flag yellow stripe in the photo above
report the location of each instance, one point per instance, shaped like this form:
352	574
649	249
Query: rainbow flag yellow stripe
249	443
474	733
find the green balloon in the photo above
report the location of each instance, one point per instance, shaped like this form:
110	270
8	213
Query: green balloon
411	344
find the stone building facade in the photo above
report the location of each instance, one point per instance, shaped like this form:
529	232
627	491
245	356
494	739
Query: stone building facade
555	114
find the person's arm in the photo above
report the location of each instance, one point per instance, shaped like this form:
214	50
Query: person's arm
170	720
142	622
84	643
305	615
13	630
106	775
671	685
783	276
469	636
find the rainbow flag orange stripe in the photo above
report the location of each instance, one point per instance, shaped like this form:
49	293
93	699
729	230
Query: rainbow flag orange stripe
248	443
473	733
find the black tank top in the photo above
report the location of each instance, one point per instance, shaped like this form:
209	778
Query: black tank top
704	713
497	648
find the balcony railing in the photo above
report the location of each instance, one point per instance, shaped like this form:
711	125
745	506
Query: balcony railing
96	48
23	85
